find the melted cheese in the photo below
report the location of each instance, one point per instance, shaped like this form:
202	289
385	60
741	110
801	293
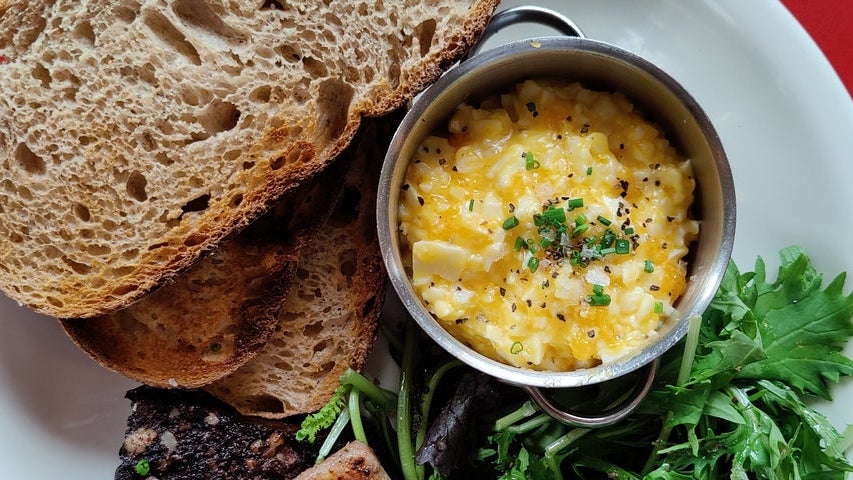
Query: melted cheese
547	146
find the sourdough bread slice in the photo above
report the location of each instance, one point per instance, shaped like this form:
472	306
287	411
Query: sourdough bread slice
328	320
134	136
221	311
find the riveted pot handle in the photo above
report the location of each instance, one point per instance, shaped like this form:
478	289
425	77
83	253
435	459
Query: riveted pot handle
526	13
611	415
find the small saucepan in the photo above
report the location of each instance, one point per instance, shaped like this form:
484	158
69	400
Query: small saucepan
574	58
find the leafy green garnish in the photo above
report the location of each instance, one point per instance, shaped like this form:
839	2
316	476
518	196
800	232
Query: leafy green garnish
739	411
325	417
731	401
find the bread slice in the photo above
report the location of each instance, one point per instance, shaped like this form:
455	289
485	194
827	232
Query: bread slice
354	461
220	312
134	136
328	321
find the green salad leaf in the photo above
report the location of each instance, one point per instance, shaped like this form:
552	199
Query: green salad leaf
731	401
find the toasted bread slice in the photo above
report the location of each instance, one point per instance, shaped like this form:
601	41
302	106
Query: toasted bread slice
135	136
328	321
217	315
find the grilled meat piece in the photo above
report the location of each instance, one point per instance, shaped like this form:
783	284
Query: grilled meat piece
355	461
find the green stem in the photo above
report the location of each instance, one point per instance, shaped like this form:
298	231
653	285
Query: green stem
690	344
611	471
404	416
355	416
334	433
529	425
388	433
551	453
426	400
525	410
569	438
846	441
386	399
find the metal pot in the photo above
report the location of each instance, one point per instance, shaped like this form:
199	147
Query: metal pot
596	65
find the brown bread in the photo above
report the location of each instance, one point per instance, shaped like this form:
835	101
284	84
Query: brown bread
220	312
135	136
328	320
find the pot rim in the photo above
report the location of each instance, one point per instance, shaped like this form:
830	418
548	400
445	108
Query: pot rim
423	111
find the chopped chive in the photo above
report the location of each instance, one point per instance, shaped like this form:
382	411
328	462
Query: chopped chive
516	348
544	242
658	307
607	239
510	223
575	259
533	264
519	244
580	229
629	231
142	467
554	214
471	205
602	300
581	220
607	251
648	266
595	252
530	162
603	221
589	170
623	246
598	289
575	203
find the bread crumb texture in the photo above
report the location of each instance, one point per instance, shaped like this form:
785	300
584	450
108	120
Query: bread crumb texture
135	135
327	322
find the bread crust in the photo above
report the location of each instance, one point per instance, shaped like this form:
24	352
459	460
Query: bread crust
217	315
135	138
328	320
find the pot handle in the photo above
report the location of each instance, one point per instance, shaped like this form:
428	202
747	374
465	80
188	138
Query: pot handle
526	13
624	406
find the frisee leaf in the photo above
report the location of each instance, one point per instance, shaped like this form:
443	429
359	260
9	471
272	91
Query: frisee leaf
325	417
802	329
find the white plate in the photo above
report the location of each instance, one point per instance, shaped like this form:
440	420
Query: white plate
782	113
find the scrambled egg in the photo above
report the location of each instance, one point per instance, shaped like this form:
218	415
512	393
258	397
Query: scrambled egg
547	227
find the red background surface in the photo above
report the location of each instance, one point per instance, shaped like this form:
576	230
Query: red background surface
830	24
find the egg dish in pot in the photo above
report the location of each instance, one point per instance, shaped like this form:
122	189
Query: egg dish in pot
547	227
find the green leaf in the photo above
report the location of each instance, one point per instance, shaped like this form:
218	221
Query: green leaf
325	417
757	443
725	359
720	406
687	406
803	331
815	437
